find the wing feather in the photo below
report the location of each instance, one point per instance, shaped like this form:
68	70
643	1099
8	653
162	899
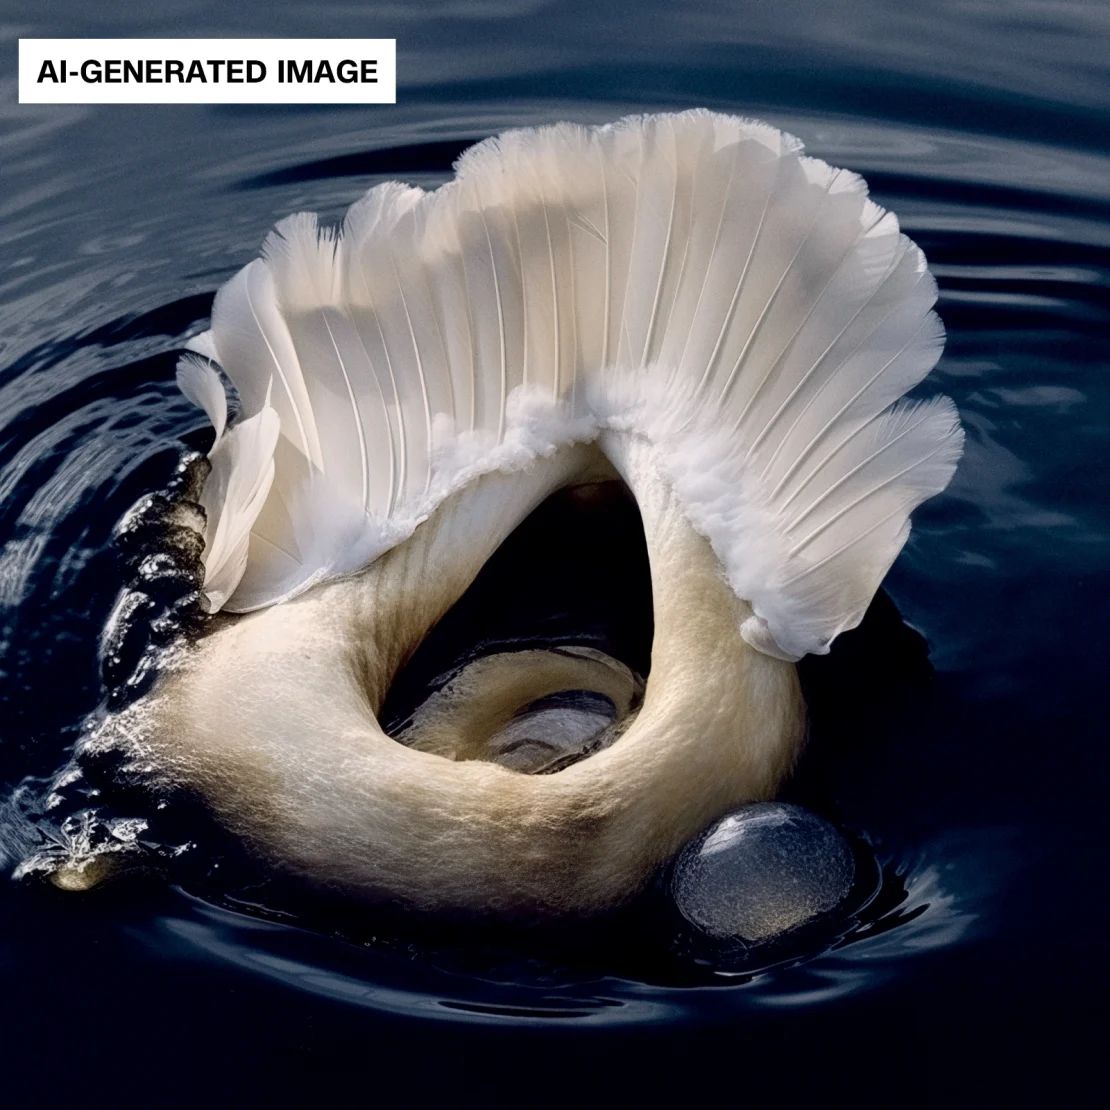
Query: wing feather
694	279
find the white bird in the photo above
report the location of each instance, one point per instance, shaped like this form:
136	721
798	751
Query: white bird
684	301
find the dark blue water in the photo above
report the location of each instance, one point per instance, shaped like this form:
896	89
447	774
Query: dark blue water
977	976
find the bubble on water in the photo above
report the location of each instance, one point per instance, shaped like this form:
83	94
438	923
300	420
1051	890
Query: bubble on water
761	872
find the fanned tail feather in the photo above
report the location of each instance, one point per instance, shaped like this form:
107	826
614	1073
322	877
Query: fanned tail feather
693	279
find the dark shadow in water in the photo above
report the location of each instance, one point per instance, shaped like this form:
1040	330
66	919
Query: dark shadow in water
396	161
587	548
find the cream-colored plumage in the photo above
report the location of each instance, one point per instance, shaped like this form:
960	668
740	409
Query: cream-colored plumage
685	302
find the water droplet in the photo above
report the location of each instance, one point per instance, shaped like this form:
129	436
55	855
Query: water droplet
761	872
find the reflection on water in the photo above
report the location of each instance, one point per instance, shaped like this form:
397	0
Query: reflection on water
982	125
924	916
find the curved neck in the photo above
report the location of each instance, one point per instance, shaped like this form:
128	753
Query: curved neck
274	721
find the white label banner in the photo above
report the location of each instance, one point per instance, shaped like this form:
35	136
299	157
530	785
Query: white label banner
207	71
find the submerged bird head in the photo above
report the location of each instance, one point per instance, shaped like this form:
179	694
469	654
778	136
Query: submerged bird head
685	303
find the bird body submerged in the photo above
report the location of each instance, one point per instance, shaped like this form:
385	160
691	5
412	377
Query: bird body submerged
685	300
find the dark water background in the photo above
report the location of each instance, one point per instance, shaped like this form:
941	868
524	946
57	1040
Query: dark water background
982	981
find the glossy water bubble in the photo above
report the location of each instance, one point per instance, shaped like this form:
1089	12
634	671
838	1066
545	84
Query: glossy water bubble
761	872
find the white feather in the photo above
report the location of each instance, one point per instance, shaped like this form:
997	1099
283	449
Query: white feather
692	279
201	384
233	496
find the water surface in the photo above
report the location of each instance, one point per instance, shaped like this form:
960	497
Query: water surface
976	977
